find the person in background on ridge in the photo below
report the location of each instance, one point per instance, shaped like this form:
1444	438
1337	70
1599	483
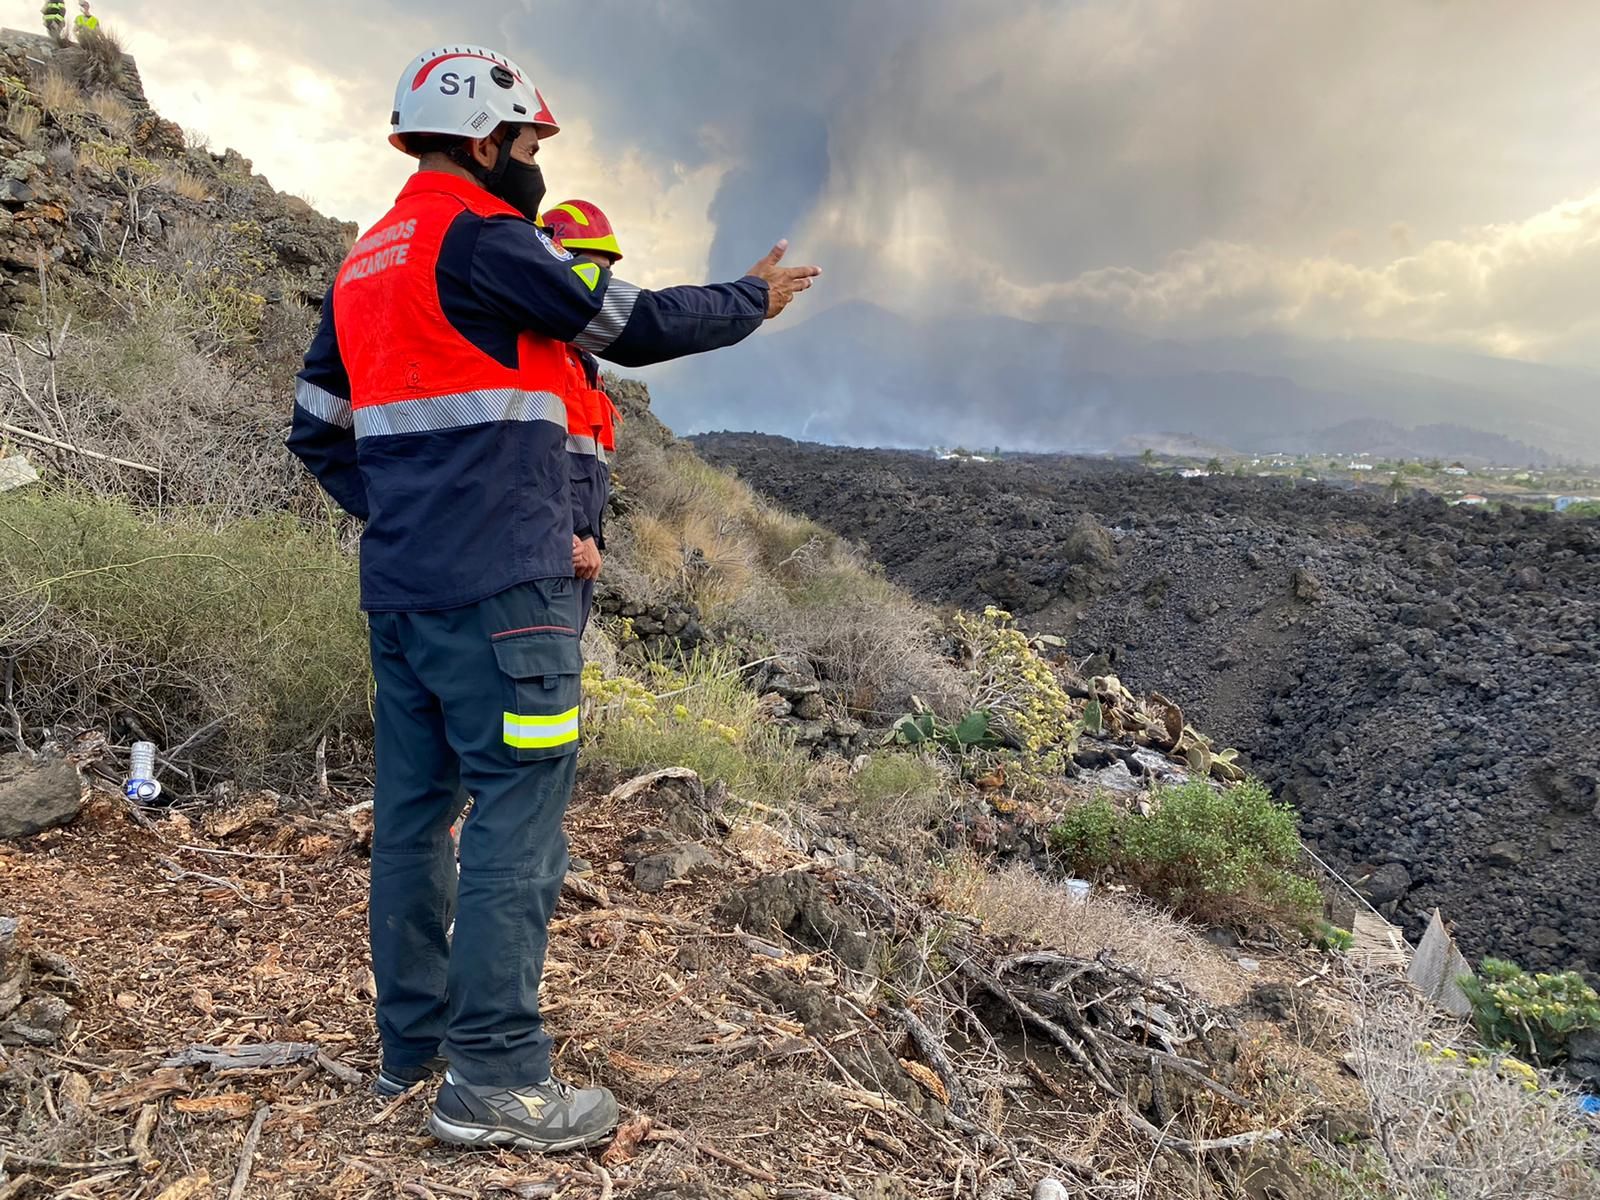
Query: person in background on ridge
87	22
55	20
582	228
431	407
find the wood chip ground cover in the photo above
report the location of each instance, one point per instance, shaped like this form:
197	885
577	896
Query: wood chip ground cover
183	938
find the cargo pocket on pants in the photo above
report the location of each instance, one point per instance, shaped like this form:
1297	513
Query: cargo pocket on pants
544	675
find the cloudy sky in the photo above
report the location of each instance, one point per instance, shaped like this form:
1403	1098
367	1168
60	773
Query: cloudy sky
1417	169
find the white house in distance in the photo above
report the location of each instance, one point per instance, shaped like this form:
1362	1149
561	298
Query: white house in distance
1456	471
1358	466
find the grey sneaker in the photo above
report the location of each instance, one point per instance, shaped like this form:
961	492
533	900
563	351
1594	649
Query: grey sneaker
391	1081
545	1117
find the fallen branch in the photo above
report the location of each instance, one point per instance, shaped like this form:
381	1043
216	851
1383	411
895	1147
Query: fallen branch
244	1058
580	888
932	1048
633	916
1165	1141
178	874
247	1154
8	1155
338	1070
139	1143
399	1102
662	1134
1181	1065
1033	1016
18	431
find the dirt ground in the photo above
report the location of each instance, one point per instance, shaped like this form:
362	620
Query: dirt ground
247	927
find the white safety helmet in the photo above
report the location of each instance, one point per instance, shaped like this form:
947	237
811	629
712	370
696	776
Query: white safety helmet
465	91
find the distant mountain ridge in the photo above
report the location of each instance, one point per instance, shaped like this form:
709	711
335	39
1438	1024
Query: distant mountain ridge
859	374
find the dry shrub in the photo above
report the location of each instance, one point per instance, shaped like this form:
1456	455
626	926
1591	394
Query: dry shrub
185	183
871	644
115	111
699	532
59	95
696	714
114	619
24	120
99	62
186	373
1450	1130
1020	904
717	563
63	158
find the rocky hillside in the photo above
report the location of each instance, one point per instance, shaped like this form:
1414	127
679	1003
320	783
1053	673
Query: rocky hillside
91	171
1418	679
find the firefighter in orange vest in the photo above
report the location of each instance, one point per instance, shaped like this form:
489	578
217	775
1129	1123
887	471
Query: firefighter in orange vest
579	226
431	406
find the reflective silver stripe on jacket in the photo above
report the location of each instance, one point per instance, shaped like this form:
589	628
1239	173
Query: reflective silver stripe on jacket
578	444
465	408
613	316
322	404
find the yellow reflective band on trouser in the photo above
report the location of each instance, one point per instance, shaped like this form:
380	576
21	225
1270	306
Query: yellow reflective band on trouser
539	733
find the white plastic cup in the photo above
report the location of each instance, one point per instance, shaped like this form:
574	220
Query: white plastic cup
1079	890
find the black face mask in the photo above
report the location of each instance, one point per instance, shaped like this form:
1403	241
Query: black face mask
519	184
522	187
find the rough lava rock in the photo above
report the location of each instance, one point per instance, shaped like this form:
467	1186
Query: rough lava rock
797	904
36	795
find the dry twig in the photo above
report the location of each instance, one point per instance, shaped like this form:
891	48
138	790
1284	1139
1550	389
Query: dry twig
247	1154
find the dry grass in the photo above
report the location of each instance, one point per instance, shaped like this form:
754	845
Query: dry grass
115	111
701	533
185	183
24	120
63	158
59	95
1019	904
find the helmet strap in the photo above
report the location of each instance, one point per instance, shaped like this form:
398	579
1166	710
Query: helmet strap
488	177
502	163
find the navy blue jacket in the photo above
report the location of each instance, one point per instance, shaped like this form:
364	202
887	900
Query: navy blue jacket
462	507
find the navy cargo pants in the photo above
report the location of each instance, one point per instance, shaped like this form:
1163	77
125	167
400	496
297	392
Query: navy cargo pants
480	700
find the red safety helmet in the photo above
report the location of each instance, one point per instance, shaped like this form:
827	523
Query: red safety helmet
579	225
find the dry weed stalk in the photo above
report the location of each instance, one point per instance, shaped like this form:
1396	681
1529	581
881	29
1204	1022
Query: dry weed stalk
1450	1131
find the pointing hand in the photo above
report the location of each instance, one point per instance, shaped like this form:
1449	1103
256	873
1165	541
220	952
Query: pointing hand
782	282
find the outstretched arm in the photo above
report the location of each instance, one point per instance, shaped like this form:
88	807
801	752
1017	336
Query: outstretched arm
637	327
521	277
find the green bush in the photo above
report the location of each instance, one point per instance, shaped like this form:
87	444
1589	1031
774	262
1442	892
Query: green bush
696	714
1533	1015
121	621
1088	834
889	778
1216	855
